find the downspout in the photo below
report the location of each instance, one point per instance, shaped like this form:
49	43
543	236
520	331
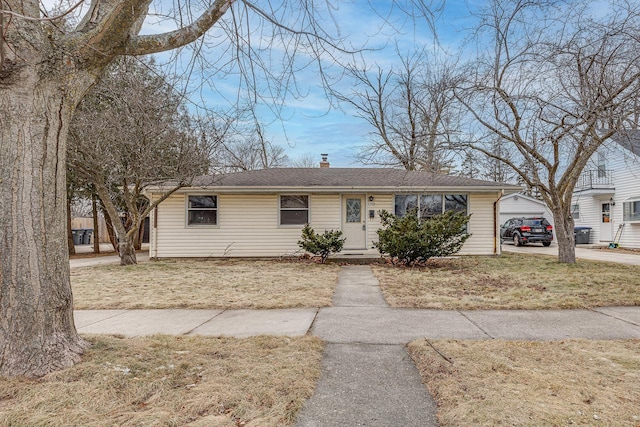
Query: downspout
153	253
495	223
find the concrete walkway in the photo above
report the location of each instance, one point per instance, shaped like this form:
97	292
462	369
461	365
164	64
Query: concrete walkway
592	253
373	384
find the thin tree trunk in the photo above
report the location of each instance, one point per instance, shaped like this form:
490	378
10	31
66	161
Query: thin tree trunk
110	231
127	251
70	243
37	330
126	248
96	231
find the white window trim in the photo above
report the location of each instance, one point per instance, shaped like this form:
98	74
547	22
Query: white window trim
186	211
629	202
280	225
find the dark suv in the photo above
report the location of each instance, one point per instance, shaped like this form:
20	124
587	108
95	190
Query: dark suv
526	230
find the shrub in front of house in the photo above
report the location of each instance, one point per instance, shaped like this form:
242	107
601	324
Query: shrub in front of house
322	245
410	240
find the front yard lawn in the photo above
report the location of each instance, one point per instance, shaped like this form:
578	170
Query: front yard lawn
523	383
231	284
511	281
171	381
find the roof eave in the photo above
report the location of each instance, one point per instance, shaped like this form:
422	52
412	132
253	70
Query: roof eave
506	189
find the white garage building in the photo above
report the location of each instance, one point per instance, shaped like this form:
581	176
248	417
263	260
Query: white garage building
518	205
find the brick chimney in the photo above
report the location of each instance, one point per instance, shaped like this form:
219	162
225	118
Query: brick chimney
324	163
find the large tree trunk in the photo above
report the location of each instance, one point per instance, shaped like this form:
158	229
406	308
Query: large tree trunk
37	331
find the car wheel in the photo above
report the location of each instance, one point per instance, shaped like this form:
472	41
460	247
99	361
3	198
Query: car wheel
546	243
516	240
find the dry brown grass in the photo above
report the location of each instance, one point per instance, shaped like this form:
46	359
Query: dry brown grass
203	284
171	381
573	382
511	281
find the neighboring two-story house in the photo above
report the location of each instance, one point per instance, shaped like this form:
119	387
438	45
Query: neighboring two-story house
607	196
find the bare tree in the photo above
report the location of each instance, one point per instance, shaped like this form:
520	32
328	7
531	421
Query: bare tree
247	148
411	110
470	164
45	70
496	170
305	161
556	83
130	132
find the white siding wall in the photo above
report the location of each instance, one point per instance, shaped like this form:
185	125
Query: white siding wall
248	226
522	207
625	169
626	177
589	214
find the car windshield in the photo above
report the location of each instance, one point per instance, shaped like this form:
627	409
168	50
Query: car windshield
536	222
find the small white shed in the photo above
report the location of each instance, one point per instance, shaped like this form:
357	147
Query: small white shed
519	205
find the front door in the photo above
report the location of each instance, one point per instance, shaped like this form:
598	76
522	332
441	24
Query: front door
354	228
605	223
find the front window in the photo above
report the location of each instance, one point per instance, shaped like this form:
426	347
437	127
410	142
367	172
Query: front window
202	210
405	203
455	202
631	210
294	210
430	205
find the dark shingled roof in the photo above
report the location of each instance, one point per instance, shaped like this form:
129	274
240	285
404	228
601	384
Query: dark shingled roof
340	177
629	139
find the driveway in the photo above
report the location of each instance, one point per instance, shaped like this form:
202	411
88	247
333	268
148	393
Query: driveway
592	253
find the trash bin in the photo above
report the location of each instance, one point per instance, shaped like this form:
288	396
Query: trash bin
582	235
86	236
77	236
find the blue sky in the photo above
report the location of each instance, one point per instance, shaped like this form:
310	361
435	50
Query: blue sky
310	125
315	128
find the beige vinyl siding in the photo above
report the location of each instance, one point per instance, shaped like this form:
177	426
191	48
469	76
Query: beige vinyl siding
380	202
248	226
325	212
481	225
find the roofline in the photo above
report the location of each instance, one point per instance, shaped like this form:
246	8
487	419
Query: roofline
507	189
524	196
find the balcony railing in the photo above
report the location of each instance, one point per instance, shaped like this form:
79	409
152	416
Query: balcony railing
594	179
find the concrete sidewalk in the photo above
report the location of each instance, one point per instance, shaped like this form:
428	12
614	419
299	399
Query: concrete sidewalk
367	376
